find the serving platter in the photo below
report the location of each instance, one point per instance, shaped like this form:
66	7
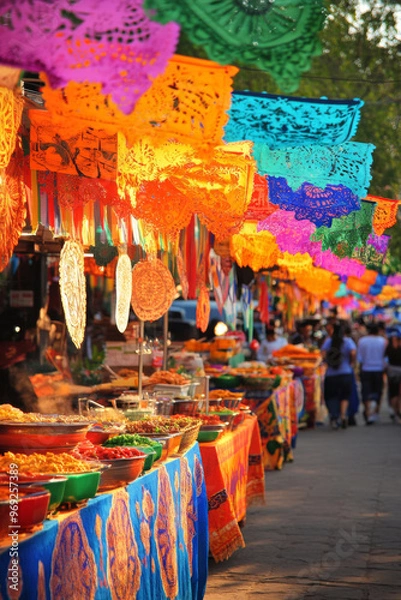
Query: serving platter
41	436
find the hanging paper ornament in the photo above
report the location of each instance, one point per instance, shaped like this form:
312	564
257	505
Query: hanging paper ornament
203	309
103	253
342	266
187	103
73	290
153	289
12	205
11	105
182	274
309	202
291	235
254	250
279	121
259	207
123	291
379	242
53	148
348	232
385	214
295	263
358	286
277	36
319	282
114	44
221	187
29	34
347	164
163	206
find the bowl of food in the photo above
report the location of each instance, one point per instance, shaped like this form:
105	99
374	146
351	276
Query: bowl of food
186	406
122	470
208	435
22	508
41	436
54	483
152	448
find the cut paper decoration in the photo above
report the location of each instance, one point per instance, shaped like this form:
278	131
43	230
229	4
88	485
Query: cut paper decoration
218	187
259	207
92	41
116	44
153	289
385	215
73	289
163	206
188	102
369	256
379	242
347	164
280	121
254	250
342	266
348	232
88	154
11	104
123	291
319	282
12	205
291	235
182	274
295	263
309	202
278	36
358	286
29	34
203	309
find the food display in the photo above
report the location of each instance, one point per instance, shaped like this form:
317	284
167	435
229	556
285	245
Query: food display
30	508
11	414
45	463
156	425
168	377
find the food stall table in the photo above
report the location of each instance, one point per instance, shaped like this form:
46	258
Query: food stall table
234	478
148	540
277	413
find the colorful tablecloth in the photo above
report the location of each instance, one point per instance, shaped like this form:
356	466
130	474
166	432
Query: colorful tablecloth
277	416
234	480
148	540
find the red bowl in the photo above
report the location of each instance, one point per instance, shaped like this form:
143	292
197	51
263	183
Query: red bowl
97	436
22	510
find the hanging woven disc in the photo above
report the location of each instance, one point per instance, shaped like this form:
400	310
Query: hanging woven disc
73	290
203	309
153	289
123	291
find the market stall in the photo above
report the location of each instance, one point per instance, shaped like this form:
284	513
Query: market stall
151	535
234	481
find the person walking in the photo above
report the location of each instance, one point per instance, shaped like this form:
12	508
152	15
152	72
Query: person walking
371	358
393	356
339	353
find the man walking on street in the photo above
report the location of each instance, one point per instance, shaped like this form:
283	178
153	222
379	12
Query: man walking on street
371	357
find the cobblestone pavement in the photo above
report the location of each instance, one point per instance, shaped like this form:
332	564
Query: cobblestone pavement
331	527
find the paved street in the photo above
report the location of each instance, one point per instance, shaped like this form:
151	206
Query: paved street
331	528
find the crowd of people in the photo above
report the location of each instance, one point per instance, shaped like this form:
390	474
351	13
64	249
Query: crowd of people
363	362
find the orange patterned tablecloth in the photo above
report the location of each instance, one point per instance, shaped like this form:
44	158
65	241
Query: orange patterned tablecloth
234	477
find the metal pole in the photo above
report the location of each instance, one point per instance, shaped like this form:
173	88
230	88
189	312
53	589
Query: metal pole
140	357
165	339
207	387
